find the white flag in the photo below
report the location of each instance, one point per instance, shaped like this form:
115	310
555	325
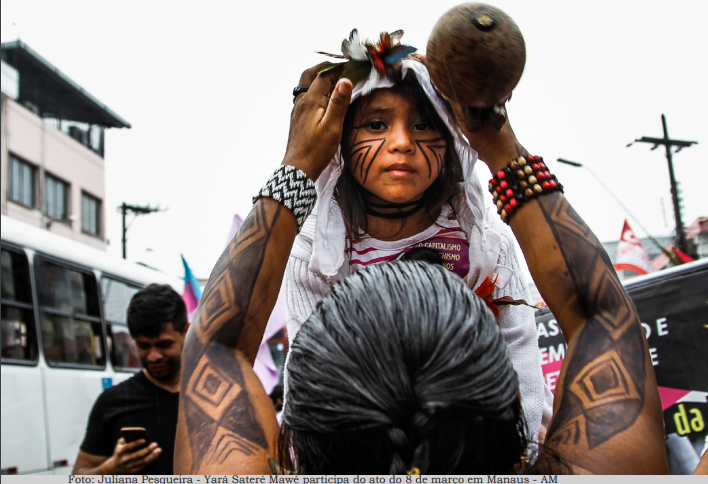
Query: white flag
631	256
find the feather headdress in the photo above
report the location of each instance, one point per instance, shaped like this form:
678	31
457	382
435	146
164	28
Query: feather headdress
369	61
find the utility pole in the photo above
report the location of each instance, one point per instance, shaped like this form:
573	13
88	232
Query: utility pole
681	241
136	210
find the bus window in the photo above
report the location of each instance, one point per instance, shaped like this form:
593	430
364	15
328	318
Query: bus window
123	352
18	337
69	315
116	298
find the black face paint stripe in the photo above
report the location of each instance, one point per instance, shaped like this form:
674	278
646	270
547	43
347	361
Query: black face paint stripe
366	176
367	141
427	143
363	148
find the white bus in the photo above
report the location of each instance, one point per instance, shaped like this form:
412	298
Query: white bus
64	340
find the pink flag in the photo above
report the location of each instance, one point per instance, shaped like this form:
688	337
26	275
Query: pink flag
631	256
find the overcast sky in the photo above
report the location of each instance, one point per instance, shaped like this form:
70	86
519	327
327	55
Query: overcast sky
207	87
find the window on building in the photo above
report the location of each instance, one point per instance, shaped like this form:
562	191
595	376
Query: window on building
116	298
21	188
90	215
56	196
19	338
70	319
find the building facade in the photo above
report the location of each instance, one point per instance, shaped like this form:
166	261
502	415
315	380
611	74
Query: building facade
52	148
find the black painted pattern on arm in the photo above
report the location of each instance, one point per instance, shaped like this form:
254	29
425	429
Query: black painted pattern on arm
605	379
221	419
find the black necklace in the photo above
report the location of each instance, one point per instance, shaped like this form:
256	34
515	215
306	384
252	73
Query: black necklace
415	207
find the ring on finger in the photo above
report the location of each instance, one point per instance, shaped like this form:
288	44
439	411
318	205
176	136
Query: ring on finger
299	90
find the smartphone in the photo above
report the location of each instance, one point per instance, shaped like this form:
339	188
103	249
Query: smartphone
131	434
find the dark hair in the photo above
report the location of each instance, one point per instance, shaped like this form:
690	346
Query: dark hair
276	397
350	195
425	254
402	366
153	307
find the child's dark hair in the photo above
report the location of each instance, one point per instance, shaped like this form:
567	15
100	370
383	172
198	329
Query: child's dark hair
351	196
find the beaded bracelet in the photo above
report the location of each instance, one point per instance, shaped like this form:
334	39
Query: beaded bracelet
519	181
294	189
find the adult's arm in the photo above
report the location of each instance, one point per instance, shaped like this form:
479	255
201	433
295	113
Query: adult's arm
127	458
608	417
88	464
702	467
226	421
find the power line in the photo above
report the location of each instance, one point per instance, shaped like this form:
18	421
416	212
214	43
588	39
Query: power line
631	215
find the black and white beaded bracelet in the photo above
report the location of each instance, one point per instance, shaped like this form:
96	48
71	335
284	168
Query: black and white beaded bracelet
294	189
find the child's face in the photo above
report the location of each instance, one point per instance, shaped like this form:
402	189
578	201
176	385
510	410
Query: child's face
394	152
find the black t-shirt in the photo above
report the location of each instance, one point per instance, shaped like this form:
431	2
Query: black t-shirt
136	402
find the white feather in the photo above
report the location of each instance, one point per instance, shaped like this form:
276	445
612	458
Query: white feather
371	83
396	37
354	48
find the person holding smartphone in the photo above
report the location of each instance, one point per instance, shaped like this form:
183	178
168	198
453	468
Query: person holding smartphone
132	425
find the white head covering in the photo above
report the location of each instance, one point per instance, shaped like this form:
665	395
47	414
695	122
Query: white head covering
330	233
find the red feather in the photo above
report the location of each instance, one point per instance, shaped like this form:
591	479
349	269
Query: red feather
485	290
487	286
377	60
385	42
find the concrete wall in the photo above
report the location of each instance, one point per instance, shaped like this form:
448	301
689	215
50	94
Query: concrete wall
29	138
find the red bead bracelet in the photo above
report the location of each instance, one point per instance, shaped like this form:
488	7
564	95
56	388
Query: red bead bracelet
519	181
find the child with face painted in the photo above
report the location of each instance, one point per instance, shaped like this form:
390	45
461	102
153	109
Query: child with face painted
404	178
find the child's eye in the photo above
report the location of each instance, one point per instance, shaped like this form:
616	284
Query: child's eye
421	126
376	125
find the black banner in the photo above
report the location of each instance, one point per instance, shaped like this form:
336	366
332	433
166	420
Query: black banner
673	309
